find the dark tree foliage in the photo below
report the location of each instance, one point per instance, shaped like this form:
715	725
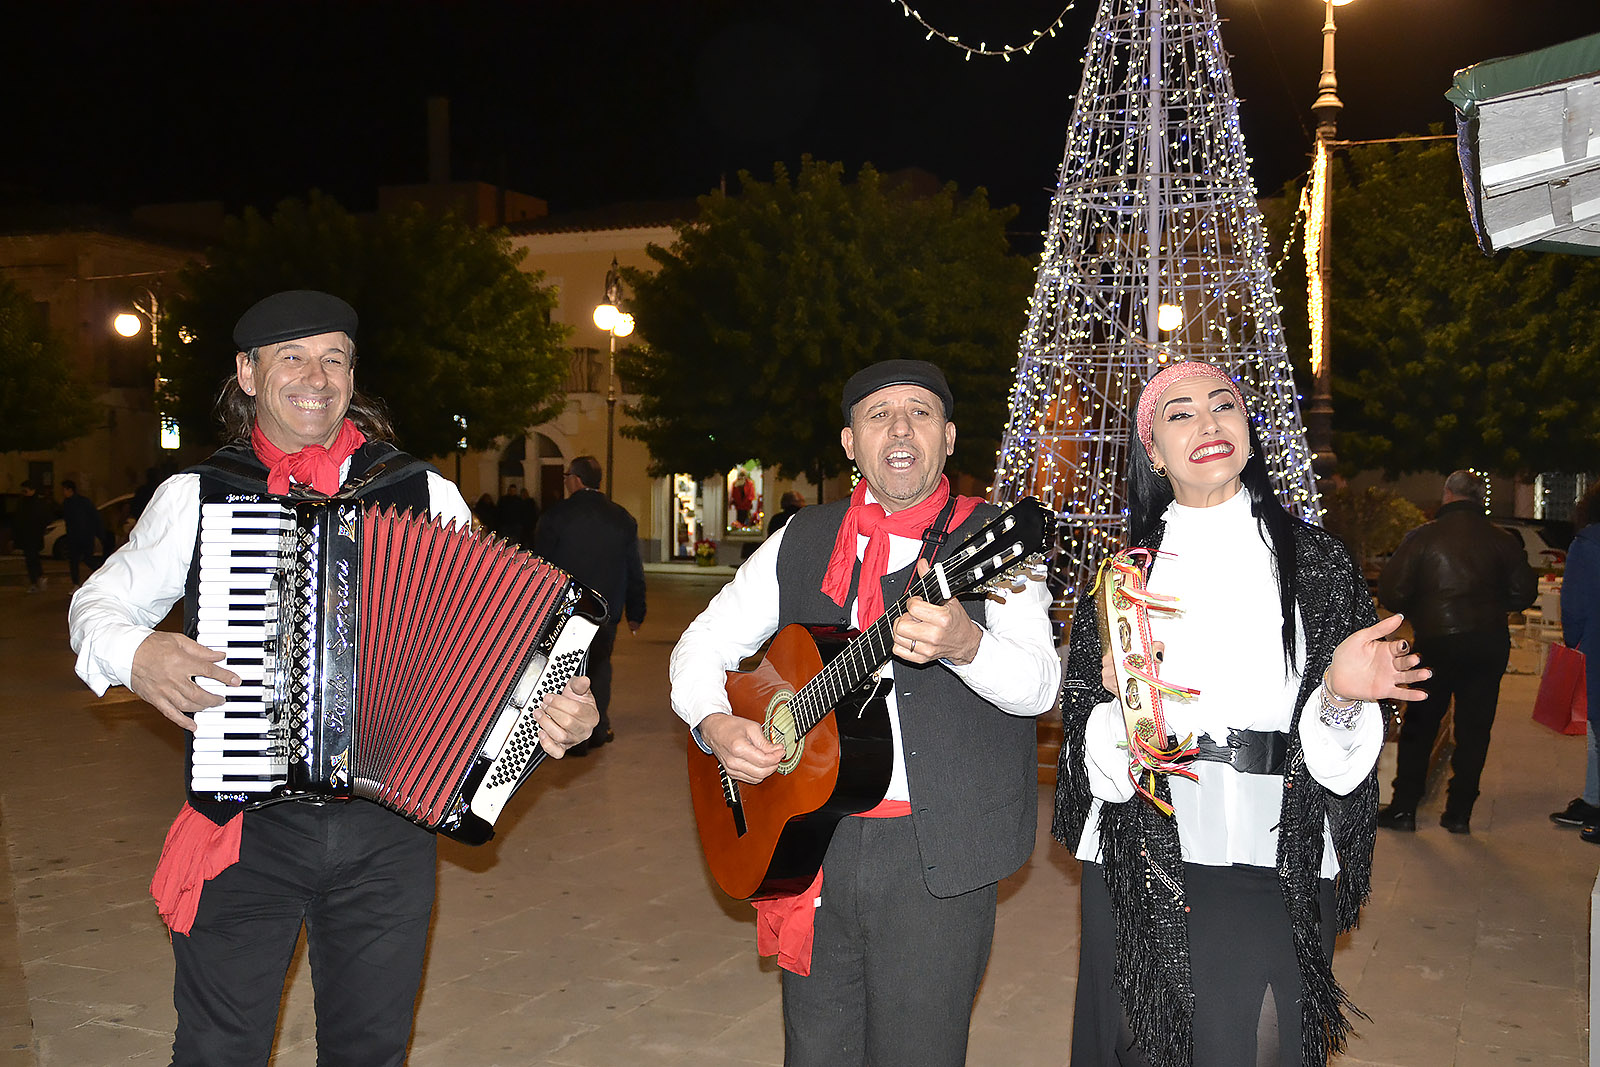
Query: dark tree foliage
775	296
449	323
1444	357
42	403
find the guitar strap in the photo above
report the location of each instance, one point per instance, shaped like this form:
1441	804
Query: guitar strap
939	532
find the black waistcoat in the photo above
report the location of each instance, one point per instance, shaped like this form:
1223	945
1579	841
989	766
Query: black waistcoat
972	769
397	480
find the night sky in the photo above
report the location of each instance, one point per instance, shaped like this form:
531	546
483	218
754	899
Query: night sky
586	103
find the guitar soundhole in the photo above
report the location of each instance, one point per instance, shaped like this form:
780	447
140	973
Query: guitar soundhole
781	729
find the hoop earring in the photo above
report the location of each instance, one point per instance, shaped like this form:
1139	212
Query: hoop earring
1160	472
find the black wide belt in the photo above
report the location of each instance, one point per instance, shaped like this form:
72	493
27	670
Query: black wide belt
1249	751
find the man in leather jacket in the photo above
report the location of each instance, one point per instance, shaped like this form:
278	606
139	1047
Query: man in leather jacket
1456	578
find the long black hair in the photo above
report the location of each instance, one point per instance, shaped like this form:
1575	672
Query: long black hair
1149	494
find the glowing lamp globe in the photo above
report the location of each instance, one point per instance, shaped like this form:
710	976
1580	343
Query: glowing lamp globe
127	324
605	316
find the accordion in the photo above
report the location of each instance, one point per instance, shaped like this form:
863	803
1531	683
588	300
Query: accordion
383	655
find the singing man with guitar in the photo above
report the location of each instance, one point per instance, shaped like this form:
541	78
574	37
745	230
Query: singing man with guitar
936	749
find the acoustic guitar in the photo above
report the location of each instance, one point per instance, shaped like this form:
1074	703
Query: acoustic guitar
832	722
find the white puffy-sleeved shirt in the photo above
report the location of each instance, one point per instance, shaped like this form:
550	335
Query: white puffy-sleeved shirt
1226	642
1016	668
121	603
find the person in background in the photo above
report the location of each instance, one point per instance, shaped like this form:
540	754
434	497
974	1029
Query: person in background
596	541
27	530
790	503
1456	578
1580	629
84	528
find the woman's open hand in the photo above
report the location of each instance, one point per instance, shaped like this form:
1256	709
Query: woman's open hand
1366	667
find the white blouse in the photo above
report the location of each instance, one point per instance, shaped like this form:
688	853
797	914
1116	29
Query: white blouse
1226	642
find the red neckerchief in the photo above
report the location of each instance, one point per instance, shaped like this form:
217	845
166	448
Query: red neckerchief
314	465
871	519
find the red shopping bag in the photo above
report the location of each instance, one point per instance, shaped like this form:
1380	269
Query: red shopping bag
1563	700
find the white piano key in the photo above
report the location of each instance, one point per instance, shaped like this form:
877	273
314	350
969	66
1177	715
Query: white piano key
214	725
256	745
231	765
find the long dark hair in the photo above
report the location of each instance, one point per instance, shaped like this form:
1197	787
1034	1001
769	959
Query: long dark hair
236	409
1149	494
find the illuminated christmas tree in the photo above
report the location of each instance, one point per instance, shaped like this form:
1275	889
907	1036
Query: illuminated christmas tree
1155	252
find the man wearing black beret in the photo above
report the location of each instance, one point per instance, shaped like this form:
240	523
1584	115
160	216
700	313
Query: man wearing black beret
901	916
235	886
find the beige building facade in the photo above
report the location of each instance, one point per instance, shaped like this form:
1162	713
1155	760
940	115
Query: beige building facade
81	280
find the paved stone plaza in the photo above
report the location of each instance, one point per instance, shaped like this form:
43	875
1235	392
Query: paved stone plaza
588	933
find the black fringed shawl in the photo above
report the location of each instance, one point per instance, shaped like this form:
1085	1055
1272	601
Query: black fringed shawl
1139	845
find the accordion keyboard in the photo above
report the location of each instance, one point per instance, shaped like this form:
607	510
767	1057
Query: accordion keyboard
239	748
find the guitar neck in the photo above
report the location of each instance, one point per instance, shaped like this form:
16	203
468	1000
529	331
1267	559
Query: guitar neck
859	659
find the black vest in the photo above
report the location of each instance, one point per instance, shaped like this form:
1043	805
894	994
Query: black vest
972	769
393	478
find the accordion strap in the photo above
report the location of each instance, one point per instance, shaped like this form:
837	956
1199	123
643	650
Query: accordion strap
238	469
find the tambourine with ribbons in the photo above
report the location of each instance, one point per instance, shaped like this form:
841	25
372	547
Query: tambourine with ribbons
1125	605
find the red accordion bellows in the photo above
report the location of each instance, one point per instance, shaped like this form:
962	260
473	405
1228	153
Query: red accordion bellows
447	622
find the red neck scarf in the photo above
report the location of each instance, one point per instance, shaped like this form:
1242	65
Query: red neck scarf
313	465
877	524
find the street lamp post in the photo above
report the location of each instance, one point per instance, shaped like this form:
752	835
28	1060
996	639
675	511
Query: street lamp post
1319	264
610	317
128	324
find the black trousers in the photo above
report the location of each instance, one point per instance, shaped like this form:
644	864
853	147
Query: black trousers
1243	970
894	969
1467	667
79	553
361	880
599	670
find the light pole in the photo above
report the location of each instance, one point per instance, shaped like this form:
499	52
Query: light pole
1319	263
128	324
610	317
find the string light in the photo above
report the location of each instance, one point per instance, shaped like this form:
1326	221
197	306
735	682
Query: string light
1004	51
1153	204
1314	295
1483	478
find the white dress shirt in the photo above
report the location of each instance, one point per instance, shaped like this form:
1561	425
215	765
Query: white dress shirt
1016	667
1226	642
123	601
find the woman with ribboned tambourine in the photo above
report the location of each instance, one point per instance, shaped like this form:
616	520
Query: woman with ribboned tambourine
1208	932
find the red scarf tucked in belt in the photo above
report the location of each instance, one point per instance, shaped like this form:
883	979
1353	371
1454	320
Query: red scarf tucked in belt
196	848
785	924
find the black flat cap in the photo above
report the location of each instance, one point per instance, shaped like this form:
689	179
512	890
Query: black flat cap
290	315
869	380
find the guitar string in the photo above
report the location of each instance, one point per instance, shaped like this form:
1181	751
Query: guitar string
819	696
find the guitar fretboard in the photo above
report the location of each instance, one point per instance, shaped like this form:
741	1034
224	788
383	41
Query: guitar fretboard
858	660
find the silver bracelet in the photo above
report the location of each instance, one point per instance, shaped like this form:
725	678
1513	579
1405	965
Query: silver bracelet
1337	712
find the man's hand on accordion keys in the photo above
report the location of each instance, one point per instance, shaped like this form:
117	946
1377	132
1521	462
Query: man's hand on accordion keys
165	667
567	718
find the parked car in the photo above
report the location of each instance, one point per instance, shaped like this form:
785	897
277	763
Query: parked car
115	521
1545	541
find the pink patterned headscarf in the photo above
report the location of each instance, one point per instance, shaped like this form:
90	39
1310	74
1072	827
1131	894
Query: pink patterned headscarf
1166	379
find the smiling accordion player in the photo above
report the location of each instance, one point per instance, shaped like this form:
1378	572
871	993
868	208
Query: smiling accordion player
383	655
